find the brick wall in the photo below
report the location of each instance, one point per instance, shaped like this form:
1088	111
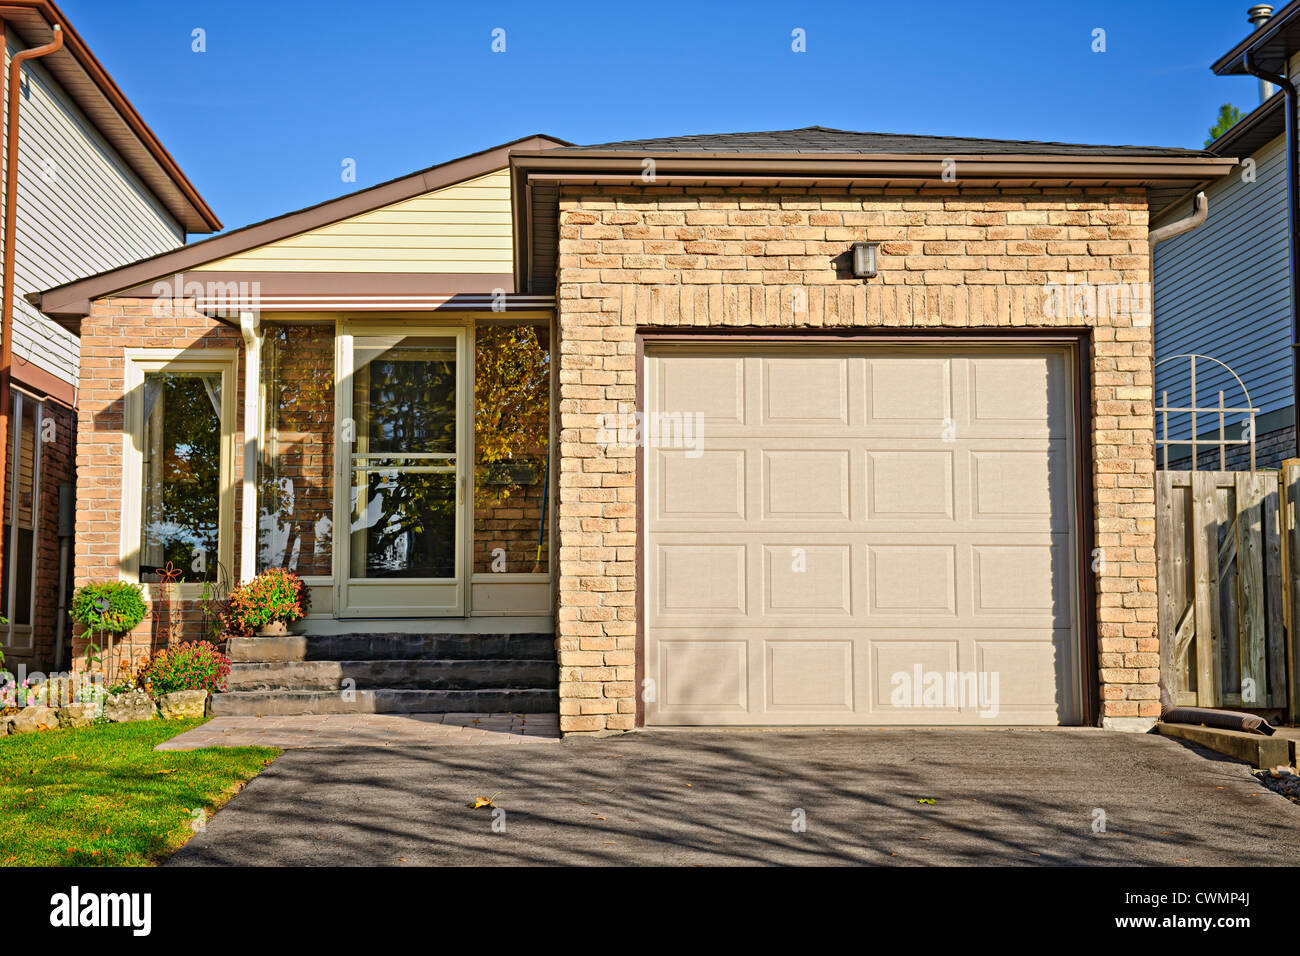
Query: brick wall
113	326
666	256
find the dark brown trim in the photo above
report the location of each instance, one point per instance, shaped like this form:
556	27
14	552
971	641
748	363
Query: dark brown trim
47	383
73	299
35	19
1077	341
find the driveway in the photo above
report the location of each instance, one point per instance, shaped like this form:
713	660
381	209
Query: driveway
711	798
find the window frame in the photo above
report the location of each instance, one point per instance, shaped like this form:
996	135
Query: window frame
138	363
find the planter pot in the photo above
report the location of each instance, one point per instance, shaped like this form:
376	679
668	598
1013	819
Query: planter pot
274	629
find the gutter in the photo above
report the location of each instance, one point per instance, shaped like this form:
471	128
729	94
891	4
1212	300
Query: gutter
10	242
1186	224
1288	88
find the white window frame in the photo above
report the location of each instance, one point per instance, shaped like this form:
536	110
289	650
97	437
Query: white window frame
139	362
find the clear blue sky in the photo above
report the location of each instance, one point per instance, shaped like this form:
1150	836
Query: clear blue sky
287	89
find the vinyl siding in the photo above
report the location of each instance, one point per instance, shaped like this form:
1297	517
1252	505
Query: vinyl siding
81	211
464	228
1222	291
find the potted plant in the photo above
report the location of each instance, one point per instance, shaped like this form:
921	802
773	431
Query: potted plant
266	604
107	607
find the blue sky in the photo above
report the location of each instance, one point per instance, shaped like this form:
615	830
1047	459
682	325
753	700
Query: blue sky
287	90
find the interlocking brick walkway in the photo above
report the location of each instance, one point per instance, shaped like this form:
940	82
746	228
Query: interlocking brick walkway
377	730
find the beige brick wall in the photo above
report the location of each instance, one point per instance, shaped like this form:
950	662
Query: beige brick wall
673	256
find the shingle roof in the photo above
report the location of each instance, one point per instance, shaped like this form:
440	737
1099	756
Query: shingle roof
822	139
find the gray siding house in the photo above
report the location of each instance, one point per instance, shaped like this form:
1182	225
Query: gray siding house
1222	290
94	189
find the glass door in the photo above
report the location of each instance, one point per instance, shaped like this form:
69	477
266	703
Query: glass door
402	447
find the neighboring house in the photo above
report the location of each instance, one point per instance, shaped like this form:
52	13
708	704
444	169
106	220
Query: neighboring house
1223	289
95	189
650	400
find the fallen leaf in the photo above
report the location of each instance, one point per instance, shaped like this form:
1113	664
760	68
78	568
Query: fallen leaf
926	800
485	801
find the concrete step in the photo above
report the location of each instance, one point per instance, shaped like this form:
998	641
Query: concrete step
398	646
394	674
286	703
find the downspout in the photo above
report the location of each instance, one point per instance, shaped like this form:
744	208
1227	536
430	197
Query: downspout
10	226
1186	224
1293	221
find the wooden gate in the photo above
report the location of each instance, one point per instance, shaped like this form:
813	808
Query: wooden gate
1223	604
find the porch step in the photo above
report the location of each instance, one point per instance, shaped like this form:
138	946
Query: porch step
287	703
450	674
398	673
398	646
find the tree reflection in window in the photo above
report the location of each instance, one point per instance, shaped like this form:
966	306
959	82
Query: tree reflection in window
181	474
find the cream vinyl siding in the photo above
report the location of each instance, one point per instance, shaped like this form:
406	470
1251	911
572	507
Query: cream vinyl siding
465	228
81	211
1222	290
849	515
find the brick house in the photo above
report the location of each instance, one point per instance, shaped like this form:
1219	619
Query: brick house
771	428
94	189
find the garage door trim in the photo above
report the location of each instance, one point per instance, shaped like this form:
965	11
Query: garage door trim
1076	344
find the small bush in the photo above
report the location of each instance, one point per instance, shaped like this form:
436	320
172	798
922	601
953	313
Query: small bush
274	595
113	606
193	665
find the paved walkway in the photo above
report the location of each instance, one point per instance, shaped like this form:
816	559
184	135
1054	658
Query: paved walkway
372	730
1059	797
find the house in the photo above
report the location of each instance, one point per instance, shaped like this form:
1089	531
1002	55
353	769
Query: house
1223	290
791	427
95	189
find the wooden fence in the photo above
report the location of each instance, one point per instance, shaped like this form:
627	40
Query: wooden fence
1228	568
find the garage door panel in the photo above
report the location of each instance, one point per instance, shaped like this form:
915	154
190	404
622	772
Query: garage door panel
808	579
713	387
909	391
805	483
805	391
910	484
837	534
709	485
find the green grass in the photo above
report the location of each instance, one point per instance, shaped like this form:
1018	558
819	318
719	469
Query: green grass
102	796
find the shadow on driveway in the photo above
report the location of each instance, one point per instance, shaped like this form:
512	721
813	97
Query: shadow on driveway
711	798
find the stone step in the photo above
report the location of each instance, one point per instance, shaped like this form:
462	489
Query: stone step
378	647
394	674
287	703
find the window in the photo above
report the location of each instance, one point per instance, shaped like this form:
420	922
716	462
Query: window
296	480
177	472
20	518
512	418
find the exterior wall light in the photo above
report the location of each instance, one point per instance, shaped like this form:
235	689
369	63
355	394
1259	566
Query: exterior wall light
864	259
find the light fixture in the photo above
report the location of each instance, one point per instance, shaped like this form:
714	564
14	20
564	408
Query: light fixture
864	259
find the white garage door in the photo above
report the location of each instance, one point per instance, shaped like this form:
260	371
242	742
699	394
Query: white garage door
859	535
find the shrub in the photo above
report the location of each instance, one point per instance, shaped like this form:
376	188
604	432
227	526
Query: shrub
113	606
274	595
193	665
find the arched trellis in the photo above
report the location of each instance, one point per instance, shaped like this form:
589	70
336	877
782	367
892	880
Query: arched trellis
1221	411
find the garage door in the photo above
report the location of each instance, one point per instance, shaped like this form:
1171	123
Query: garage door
859	536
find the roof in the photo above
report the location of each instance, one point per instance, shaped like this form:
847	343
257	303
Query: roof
825	140
68	303
1272	44
86	81
1261	125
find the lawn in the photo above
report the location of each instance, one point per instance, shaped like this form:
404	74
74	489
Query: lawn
102	796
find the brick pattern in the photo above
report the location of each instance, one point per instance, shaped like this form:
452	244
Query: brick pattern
113	326
678	256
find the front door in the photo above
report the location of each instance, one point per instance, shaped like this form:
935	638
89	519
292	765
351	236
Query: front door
402	446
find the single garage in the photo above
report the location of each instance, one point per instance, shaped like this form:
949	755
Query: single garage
849	533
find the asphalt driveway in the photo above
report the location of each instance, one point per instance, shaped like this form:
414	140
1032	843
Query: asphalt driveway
709	798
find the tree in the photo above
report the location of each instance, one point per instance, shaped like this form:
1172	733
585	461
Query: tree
1229	116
